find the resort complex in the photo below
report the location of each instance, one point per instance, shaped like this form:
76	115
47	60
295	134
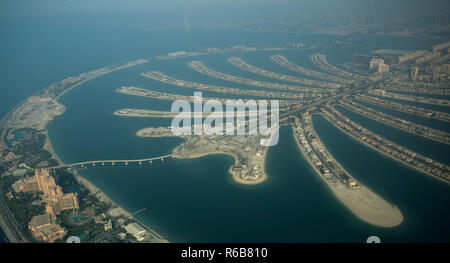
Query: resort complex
405	92
43	226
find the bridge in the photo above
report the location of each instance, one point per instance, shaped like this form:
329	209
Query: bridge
112	162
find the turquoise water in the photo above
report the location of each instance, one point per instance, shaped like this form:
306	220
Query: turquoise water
40	54
421	105
432	123
422	145
422	200
196	200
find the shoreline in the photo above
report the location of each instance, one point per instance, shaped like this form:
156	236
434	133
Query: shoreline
105	198
358	211
84	181
93	189
234	175
392	126
48	143
49	147
387	155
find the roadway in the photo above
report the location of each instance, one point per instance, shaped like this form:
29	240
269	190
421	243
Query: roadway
113	162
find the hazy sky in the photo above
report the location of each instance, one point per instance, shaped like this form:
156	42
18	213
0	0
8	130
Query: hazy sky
47	40
171	12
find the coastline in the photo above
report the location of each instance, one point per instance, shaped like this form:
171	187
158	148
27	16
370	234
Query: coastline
264	177
48	144
234	175
386	219
392	126
192	155
97	191
47	118
85	182
105	198
385	154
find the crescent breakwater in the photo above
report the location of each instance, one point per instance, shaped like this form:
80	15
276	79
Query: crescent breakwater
375	209
249	156
33	115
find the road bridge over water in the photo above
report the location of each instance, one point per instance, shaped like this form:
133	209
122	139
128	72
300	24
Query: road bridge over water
112	162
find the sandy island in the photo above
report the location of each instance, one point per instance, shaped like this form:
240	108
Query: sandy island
362	202
255	157
235	175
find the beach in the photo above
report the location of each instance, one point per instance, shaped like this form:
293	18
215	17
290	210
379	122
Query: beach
100	194
385	154
363	203
234	174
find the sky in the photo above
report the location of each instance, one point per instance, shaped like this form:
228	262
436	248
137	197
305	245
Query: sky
166	13
37	34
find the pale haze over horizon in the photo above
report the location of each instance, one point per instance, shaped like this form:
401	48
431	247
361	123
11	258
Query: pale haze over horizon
163	14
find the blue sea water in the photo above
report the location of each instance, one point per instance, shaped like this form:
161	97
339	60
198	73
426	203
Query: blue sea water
196	200
2	237
425	146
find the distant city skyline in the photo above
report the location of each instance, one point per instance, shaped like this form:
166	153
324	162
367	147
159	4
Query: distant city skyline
162	14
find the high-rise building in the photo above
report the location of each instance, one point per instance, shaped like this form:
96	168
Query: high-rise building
435	72
44	228
377	65
445	68
411	55
53	195
414	72
429	58
187	26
